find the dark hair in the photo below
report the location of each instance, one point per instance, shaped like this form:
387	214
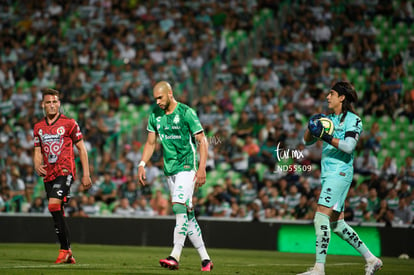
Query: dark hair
346	89
49	91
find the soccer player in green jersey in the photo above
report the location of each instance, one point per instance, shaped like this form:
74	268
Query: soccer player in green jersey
337	173
179	131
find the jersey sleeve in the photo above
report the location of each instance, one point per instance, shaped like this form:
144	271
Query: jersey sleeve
151	127
36	137
193	122
75	132
354	128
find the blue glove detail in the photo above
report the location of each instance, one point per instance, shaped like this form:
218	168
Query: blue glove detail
315	128
317	116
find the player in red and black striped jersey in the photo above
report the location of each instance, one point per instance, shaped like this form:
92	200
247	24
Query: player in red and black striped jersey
54	160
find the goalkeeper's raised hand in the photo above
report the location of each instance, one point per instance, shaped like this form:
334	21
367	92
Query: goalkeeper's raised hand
315	127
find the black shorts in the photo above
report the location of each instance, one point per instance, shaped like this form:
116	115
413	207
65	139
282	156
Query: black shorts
59	188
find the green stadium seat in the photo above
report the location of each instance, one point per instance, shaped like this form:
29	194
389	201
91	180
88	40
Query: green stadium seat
238	104
223	167
123	103
360	85
402	42
125	124
146	107
393	127
368	119
379	20
410	131
401	156
366	71
234	118
352	74
241	36
385	122
213	175
408	82
410	67
261	169
392	143
256	21
402	122
393	48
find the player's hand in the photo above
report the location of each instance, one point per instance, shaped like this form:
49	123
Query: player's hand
86	182
315	127
141	175
41	170
200	177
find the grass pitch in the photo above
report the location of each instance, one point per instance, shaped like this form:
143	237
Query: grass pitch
108	259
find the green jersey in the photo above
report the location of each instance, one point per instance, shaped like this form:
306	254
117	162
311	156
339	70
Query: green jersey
176	132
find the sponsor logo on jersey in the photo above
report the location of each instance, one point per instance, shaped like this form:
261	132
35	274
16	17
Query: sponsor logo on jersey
50	138
52	144
175	127
176	119
172	137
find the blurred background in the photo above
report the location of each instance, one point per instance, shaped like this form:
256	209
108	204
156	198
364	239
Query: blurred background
254	71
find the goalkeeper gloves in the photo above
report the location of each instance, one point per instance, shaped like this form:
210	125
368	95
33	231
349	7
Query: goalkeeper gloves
316	129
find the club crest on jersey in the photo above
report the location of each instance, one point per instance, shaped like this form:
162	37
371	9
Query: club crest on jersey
176	119
61	131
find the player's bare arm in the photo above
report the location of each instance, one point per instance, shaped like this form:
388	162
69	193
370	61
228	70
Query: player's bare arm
146	155
38	162
200	176
83	156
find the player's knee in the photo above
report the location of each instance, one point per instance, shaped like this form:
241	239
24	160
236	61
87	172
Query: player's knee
54	207
338	226
179	208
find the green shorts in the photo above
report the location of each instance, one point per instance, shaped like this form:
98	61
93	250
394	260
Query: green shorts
334	191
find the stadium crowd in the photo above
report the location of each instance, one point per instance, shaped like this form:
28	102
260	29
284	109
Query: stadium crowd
97	51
